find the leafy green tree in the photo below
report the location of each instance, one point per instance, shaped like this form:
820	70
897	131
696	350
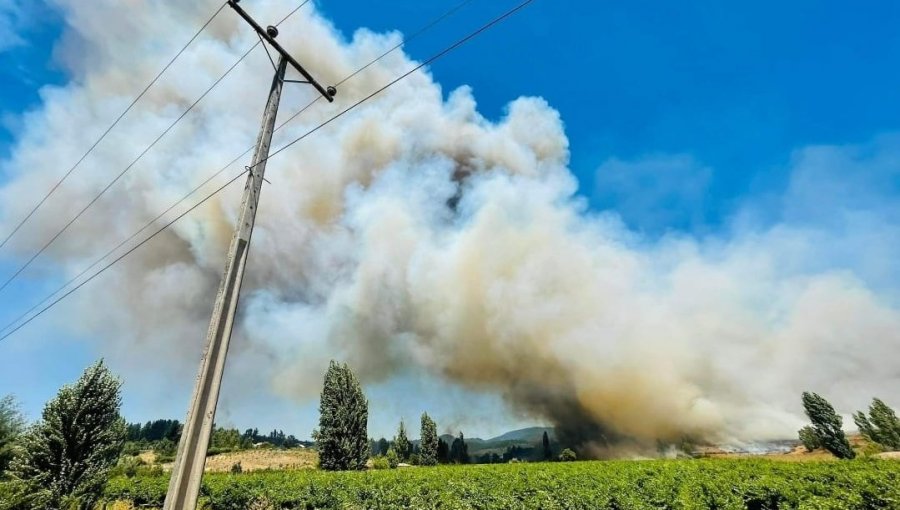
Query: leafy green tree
65	458
227	440
548	453
459	450
401	443
809	438
11	426
567	455
881	426
428	449
343	417
827	424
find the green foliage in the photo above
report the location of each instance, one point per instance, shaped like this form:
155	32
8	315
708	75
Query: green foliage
881	425
443	452
567	455
154	431
380	462
393	459
127	466
545	442
809	438
647	485
827	424
228	440
401	443
343	416
459	450
11	426
428	445
65	458
165	450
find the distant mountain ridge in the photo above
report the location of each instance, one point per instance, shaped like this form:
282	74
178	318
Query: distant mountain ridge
528	434
527	437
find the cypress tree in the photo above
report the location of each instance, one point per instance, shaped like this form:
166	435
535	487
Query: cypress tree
459	450
881	426
443	451
827	424
402	444
428	450
548	453
343	416
65	458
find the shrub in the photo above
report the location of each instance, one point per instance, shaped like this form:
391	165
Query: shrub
380	462
809	438
236	468
392	458
567	455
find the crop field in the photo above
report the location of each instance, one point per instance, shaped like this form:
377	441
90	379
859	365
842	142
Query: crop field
753	484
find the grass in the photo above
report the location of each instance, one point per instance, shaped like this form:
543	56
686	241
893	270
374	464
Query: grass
752	484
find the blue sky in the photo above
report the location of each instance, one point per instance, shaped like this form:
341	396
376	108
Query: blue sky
713	97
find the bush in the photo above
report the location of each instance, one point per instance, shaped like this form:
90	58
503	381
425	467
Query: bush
127	466
236	468
392	458
567	455
809	438
380	462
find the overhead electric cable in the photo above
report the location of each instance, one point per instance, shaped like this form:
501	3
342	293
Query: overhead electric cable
75	278
134	162
110	128
429	61
150	223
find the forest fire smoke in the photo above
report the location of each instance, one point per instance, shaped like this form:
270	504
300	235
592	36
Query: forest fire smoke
515	289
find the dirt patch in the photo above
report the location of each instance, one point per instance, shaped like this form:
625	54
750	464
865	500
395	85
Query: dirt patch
888	455
255	460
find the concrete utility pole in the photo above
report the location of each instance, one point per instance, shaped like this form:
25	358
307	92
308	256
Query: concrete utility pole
184	485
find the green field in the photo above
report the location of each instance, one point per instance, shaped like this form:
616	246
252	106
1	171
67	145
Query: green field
660	484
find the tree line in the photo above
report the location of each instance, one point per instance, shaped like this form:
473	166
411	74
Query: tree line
64	459
880	427
342	443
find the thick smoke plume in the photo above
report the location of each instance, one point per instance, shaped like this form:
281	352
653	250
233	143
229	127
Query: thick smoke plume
415	234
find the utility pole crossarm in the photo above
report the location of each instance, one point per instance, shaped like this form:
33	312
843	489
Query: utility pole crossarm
269	34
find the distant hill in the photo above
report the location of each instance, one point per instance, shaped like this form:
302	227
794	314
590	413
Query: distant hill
528	435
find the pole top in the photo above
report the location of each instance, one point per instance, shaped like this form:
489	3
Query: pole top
269	34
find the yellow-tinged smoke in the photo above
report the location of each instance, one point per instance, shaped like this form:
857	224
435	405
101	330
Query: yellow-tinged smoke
416	233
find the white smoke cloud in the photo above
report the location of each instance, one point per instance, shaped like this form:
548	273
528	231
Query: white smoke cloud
369	247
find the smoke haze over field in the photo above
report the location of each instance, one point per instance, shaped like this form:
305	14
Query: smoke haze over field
519	290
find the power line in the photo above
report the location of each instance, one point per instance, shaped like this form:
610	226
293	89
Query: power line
110	128
304	2
432	59
408	39
134	162
122	256
75	278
